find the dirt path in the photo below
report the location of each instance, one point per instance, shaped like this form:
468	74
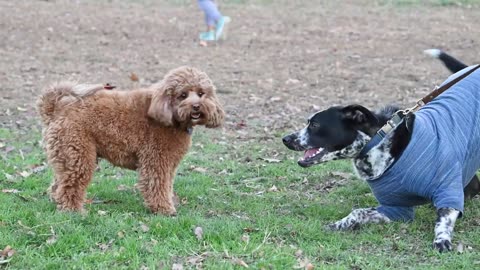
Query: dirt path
280	63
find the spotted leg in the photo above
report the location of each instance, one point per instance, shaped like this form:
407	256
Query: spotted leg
359	217
444	228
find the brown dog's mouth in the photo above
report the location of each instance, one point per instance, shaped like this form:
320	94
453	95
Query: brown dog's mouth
195	116
311	155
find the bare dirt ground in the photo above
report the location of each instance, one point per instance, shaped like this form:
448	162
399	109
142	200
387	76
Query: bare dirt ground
282	59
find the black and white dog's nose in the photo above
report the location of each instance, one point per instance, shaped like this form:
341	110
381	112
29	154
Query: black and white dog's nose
287	140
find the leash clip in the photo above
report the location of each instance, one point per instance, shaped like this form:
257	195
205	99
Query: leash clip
409	111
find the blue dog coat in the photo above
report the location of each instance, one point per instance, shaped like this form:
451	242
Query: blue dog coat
441	157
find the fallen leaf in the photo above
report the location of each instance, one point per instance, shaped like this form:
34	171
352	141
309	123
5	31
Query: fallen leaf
199	169
52	239
122	187
241	124
144	227
38	168
240	262
274	99
245	238
121	234
273	189
341	175
177	266
103	246
21	109
133	77
176	199
460	247
197	260
10	190
25	174
271	160
198	233
102	213
292	81
249	230
302	263
8	251
299	253
6	254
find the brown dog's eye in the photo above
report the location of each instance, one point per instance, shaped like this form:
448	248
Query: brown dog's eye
200	94
183	95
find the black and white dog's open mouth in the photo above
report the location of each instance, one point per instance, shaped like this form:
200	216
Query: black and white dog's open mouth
312	156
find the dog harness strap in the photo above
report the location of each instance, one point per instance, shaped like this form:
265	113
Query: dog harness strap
391	124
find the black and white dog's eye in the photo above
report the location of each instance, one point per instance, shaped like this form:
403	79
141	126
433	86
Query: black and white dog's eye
314	125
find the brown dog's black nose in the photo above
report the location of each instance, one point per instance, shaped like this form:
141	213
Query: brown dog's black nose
196	107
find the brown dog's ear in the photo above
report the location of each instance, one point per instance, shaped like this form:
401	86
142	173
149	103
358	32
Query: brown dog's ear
216	115
161	106
359	114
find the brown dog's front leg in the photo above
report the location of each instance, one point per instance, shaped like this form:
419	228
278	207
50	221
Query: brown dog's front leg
444	228
359	217
157	189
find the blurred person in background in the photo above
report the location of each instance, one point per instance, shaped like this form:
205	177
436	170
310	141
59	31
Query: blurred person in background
214	19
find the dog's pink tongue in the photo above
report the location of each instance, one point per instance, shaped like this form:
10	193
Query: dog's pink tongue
310	152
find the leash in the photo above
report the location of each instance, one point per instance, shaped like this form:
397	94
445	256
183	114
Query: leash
399	116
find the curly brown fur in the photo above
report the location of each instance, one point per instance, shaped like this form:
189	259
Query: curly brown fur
146	130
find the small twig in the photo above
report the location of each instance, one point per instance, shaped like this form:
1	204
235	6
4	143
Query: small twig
265	238
50	224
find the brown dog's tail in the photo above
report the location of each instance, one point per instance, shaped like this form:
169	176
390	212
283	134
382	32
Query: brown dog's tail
47	103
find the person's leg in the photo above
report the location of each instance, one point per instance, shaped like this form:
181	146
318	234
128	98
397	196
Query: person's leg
212	15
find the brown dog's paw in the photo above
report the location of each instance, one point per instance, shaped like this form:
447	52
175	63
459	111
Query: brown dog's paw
170	211
79	210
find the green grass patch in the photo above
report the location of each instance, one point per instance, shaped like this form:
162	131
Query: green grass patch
265	214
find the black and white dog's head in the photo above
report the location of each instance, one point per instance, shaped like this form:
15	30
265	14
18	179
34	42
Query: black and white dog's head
335	133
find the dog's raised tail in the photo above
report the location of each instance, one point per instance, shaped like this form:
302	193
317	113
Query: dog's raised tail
48	101
453	64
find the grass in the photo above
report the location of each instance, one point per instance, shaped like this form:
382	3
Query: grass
265	215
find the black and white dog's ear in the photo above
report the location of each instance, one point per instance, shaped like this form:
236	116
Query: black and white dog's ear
359	114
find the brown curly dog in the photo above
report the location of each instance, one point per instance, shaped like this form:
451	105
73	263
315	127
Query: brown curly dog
146	130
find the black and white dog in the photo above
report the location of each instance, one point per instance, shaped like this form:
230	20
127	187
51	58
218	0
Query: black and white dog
415	163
